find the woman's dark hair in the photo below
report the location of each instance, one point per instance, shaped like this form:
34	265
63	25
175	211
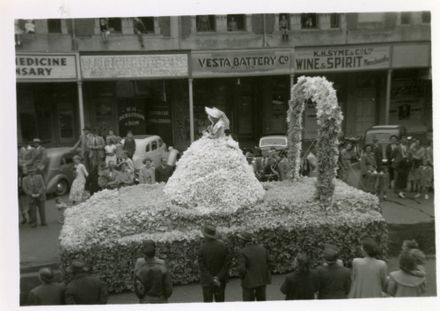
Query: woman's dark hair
366	146
407	262
303	263
370	247
410	244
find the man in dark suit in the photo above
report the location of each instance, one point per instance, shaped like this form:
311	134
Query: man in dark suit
49	292
152	278
213	260
163	172
34	187
84	289
254	269
333	278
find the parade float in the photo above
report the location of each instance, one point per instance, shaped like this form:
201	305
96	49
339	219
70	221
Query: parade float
213	183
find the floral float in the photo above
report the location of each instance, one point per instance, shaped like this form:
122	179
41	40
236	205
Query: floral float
213	183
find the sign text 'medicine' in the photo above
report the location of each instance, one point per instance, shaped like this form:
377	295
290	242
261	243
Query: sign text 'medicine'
35	67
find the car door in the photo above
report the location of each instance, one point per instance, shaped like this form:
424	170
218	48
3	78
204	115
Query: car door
67	166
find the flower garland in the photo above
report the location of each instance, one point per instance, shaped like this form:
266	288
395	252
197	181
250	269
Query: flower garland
329	119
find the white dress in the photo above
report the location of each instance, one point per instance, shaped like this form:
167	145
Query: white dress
110	154
77	189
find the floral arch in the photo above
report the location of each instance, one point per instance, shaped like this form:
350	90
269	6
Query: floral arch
329	118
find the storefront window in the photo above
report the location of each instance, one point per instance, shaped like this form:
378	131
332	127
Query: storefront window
236	22
205	23
54	25
309	21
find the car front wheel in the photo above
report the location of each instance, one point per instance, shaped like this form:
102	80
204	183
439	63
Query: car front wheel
62	187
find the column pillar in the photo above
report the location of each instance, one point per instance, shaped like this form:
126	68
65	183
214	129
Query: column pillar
388	96
80	94
191	110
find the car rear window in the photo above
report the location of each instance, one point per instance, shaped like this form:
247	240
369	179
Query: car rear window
273	141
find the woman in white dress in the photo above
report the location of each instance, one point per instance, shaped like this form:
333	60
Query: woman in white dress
110	151
77	190
219	122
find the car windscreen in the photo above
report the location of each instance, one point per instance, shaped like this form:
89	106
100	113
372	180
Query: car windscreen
273	141
383	136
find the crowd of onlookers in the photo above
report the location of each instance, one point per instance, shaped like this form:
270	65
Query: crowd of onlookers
406	166
367	276
101	162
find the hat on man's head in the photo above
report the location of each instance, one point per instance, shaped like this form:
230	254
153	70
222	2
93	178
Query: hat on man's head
209	231
245	236
46	275
77	265
36	140
331	253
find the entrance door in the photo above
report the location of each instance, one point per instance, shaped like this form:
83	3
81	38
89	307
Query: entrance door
131	116
244	110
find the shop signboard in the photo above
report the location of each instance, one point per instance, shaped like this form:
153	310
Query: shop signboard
33	67
134	66
343	58
241	63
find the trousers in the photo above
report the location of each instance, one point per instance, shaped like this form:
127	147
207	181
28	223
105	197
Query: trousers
212	293
254	293
41	205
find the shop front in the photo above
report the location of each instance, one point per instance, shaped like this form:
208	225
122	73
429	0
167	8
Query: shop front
251	86
144	93
47	98
375	84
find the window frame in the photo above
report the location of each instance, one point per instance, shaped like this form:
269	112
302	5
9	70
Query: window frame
405	15
338	16
426	13
238	29
213	23
305	15
289	26
151	31
112	29
53	20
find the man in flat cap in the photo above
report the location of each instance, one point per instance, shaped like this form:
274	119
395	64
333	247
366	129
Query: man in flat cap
214	261
333	278
152	281
35	189
49	292
84	289
39	157
253	268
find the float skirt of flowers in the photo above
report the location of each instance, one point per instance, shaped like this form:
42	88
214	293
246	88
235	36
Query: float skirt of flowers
107	231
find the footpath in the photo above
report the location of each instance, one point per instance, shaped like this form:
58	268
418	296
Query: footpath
407	219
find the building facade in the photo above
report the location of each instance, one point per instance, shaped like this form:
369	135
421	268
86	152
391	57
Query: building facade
154	75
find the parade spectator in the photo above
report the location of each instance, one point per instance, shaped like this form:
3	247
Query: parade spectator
129	144
110	177
35	189
125	176
25	157
412	247
139	29
346	159
283	166
284	28
152	281
39	157
418	153
96	146
213	261
368	273
377	150
111	135
425	178
48	292
334	280
84	289
301	284
402	169
104	28
146	173
253	269
312	162
403	282
393	155
77	189
110	150
127	160
369	172
83	144
163	172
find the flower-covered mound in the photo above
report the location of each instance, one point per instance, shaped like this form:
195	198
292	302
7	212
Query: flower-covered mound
108	229
213	174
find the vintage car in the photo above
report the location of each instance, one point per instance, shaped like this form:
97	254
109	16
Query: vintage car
60	171
277	142
383	133
150	146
